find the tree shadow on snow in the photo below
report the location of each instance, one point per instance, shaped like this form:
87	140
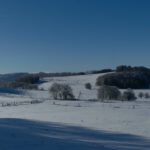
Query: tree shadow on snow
20	134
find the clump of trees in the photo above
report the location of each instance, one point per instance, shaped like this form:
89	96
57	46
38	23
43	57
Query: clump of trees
61	92
128	95
127	77
88	86
19	85
112	93
124	68
23	85
125	80
26	82
108	93
30	79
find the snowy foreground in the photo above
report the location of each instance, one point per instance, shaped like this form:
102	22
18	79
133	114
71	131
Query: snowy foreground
72	125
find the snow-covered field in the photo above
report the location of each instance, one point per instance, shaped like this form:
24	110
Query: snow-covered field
73	125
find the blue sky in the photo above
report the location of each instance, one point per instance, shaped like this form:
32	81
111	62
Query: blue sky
73	35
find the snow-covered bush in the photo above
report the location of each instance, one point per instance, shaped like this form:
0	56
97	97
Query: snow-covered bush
61	92
108	93
88	86
128	95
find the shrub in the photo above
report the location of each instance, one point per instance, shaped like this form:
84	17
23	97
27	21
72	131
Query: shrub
141	95
61	92
108	93
128	95
88	86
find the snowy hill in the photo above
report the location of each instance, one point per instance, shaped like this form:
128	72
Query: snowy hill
77	83
38	122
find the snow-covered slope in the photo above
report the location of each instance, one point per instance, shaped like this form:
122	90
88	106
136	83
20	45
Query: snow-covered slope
75	125
22	134
77	83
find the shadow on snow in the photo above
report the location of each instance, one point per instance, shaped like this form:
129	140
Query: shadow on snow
16	134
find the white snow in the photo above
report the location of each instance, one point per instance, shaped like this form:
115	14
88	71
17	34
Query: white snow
73	125
77	83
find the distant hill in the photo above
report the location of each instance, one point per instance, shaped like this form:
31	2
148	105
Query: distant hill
11	77
65	74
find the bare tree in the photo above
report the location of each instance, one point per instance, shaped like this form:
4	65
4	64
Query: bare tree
62	92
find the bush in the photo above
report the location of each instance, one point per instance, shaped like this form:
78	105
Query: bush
88	86
141	95
128	95
108	93
61	92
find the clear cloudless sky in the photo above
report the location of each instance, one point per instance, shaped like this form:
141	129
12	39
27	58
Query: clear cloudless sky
73	35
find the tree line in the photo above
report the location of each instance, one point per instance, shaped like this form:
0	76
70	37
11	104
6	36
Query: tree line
127	77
